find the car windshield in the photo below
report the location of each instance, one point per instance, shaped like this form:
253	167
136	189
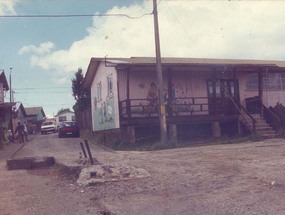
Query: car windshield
48	123
67	124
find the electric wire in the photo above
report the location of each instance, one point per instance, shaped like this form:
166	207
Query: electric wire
187	33
74	16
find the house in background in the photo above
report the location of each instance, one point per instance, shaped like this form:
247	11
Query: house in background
203	97
5	107
19	115
5	110
65	115
35	116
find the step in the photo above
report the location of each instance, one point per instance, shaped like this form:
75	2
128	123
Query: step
264	128
270	136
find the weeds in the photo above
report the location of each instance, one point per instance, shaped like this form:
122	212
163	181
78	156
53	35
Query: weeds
153	145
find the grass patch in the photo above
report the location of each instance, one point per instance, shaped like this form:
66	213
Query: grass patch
153	145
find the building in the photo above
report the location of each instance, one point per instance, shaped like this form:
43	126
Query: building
65	115
35	116
203	97
5	109
19	115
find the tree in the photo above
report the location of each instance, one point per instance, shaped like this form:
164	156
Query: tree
80	94
62	110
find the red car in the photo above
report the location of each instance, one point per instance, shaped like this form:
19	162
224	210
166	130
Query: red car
68	129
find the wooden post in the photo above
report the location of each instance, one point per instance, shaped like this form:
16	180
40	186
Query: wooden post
83	150
170	102
89	152
128	103
260	90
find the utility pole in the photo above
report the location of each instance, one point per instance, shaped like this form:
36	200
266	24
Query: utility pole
10	80
162	113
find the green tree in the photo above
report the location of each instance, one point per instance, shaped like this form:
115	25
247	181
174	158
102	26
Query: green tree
80	94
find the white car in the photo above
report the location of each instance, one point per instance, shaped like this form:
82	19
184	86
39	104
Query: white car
48	126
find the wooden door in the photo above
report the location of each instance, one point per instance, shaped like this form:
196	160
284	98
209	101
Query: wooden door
221	93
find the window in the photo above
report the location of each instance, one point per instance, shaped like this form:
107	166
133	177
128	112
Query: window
73	118
62	118
99	91
274	81
218	89
252	81
271	81
110	85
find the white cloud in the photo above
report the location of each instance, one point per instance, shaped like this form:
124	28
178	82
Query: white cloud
7	7
42	49
205	29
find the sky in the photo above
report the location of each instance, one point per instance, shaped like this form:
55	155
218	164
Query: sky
45	52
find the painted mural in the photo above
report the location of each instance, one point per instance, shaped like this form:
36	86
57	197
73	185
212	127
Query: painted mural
104	114
182	92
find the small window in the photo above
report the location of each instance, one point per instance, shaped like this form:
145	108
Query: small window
210	88
73	118
218	89
110	85
271	81
62	118
251	81
99	91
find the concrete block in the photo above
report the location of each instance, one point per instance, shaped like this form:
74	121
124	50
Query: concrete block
42	162
19	163
29	163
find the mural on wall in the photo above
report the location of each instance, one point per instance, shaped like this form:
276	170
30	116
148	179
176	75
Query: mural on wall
152	96
104	116
177	101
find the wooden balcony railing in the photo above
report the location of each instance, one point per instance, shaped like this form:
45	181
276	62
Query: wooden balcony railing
135	108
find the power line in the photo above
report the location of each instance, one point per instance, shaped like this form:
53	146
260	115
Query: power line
74	16
36	88
39	92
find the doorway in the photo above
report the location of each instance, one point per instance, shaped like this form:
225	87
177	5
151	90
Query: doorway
221	93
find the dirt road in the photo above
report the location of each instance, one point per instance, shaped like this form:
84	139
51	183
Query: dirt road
247	178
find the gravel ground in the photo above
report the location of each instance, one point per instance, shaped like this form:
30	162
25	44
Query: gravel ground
245	178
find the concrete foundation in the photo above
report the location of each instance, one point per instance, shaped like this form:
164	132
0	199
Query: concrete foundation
129	134
172	133
216	129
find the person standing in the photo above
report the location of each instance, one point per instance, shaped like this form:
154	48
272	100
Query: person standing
20	130
25	131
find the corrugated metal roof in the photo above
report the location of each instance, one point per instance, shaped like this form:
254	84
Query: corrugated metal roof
195	61
94	63
7	104
33	111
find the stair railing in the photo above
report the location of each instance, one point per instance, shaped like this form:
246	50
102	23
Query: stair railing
270	117
245	118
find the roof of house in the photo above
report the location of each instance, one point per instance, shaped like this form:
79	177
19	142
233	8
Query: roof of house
7	105
94	63
19	106
34	111
64	112
4	80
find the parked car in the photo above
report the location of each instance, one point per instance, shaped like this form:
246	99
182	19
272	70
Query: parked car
48	126
68	129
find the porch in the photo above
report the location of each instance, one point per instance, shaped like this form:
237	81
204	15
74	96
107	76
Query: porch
194	111
178	111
